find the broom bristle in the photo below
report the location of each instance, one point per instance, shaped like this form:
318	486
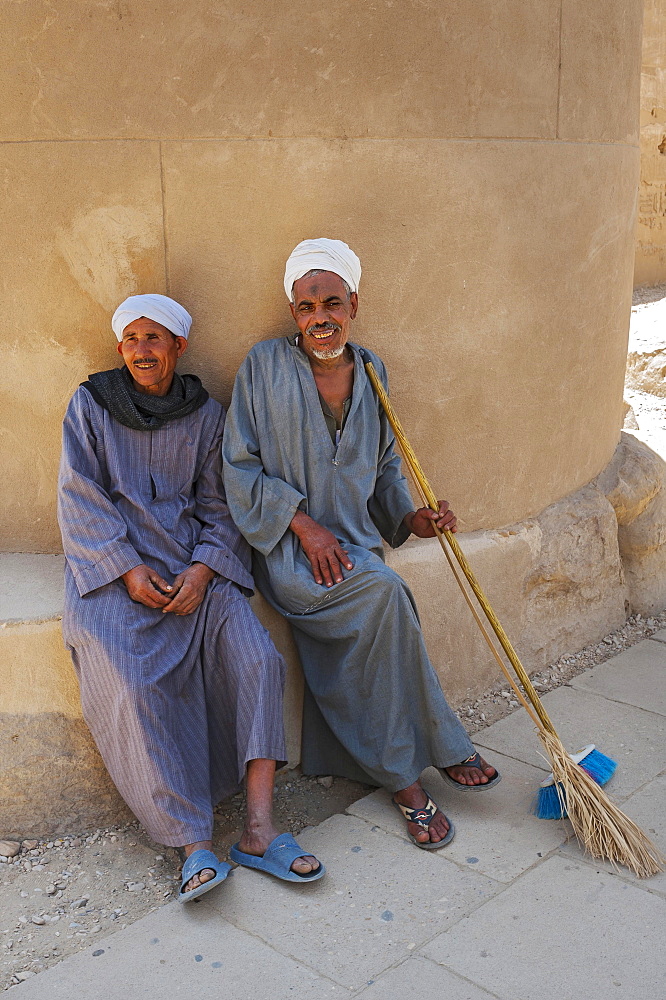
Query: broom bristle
550	803
603	829
599	767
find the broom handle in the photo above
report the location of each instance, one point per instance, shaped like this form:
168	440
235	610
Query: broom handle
427	492
493	649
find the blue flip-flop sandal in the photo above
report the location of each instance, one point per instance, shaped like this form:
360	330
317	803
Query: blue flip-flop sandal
473	761
197	861
422	817
277	860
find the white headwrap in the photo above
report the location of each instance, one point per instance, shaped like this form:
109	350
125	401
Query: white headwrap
322	255
159	308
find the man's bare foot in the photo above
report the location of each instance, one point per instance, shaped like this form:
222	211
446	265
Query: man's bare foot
468	774
257	837
206	874
415	797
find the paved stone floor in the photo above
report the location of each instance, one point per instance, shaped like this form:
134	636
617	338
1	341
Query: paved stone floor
511	910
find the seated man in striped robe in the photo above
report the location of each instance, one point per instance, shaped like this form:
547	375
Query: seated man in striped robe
180	684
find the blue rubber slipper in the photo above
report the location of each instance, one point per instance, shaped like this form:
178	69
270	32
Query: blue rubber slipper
473	761
197	861
277	859
422	818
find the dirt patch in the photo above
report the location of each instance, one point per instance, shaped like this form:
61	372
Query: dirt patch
58	895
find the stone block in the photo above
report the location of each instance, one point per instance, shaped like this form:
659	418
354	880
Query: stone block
563	930
378	901
643	551
179	952
633	477
636	677
576	591
497	455
82	228
496	834
600	71
660	636
340	70
430	979
636	739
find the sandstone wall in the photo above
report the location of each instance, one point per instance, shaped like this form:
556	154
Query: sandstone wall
483	161
481	158
650	265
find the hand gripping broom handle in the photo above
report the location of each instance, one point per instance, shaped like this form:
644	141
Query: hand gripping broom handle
427	492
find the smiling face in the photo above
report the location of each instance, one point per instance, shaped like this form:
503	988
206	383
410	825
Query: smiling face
323	311
150	352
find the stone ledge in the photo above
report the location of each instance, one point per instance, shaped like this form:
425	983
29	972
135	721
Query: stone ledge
31	588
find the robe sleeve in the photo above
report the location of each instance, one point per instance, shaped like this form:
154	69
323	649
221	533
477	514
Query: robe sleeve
94	534
261	505
391	499
220	547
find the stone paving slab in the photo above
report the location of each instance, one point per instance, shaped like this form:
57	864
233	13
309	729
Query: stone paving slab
636	677
186	951
660	636
496	833
419	977
636	739
561	930
647	807
380	899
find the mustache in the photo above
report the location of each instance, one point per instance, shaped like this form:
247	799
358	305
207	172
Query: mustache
142	361
320	327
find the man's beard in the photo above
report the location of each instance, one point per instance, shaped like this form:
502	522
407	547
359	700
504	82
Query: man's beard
328	355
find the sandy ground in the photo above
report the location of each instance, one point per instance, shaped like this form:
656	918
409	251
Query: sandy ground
59	894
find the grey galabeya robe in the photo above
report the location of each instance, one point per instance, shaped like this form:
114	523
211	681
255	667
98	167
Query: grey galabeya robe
374	709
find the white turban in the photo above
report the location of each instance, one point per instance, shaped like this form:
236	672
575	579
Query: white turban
159	308
322	255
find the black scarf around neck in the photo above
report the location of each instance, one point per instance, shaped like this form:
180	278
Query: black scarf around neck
116	392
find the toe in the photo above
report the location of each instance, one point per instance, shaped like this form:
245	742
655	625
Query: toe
203	876
305	865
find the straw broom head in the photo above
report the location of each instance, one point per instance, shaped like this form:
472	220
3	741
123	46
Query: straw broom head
603	829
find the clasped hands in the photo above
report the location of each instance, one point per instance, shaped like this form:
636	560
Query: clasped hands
327	556
182	597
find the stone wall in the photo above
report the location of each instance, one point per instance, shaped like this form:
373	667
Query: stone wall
650	266
481	158
483	161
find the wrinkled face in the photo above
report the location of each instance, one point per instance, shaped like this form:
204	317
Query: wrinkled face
323	312
150	352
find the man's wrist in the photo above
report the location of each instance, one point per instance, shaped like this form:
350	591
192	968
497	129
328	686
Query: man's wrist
408	520
299	522
211	572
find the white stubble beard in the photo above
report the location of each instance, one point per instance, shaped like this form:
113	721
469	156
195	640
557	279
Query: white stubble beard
328	355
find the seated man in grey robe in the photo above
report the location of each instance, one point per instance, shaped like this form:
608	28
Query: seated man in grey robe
313	483
180	684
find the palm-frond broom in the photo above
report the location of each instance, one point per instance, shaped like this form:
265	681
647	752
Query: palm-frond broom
603	829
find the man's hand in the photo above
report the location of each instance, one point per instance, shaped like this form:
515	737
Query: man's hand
189	589
146	586
322	548
421	521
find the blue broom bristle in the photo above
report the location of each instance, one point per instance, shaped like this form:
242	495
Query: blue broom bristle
548	805
599	767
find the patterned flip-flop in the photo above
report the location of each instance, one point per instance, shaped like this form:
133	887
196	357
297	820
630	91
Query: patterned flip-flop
423	817
473	761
